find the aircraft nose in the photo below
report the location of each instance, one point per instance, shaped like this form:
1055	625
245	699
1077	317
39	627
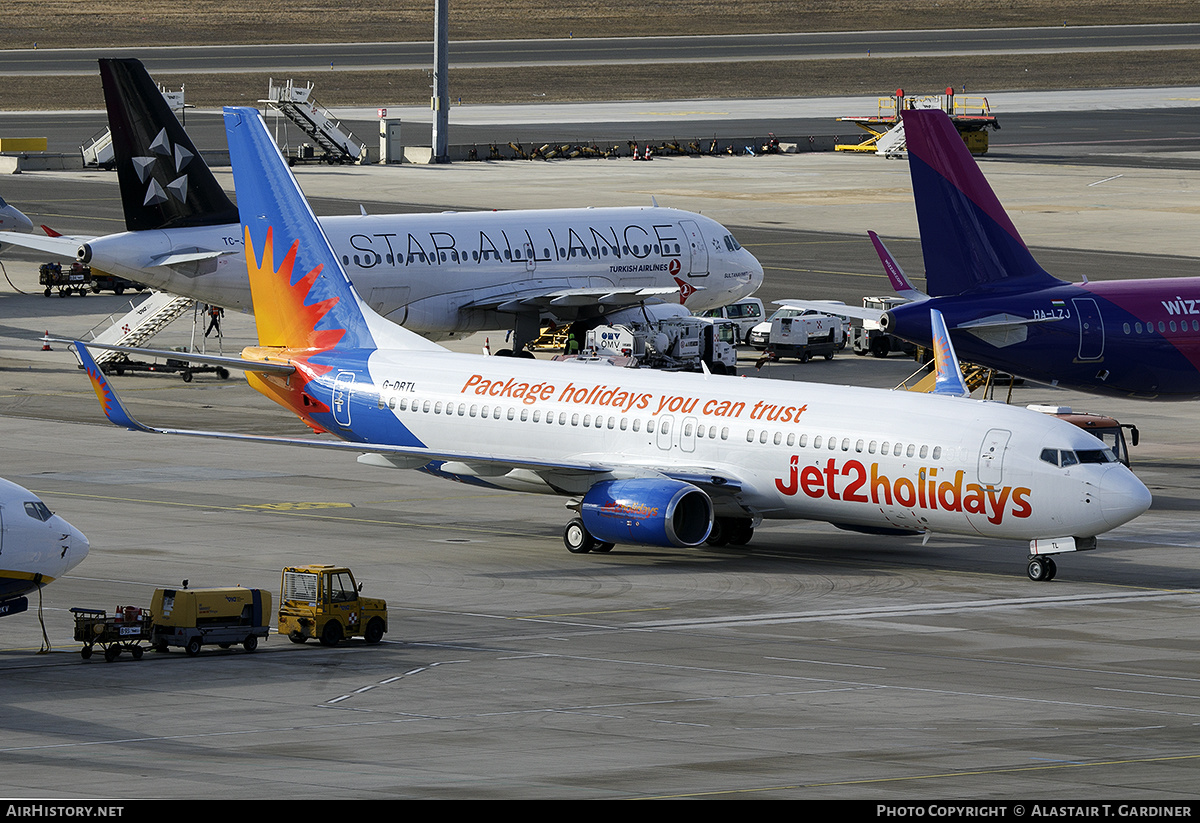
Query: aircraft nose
78	546
1122	497
756	273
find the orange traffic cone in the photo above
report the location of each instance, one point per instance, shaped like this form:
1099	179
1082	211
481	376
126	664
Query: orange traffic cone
46	342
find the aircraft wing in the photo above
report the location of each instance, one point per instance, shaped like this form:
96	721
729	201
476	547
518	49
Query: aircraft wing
62	246
572	298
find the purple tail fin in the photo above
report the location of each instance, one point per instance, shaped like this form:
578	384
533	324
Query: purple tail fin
968	241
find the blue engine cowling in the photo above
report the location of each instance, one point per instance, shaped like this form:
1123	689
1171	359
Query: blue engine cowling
648	512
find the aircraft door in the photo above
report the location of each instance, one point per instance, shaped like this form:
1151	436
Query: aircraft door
697	247
687	435
530	257
664	431
343	388
991	456
1091	328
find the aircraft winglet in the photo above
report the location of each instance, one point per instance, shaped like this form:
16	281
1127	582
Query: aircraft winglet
106	394
949	379
899	280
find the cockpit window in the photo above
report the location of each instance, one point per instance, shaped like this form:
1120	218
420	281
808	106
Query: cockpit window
1066	457
38	511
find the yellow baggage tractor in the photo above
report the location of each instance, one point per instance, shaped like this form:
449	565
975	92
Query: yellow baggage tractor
324	602
192	618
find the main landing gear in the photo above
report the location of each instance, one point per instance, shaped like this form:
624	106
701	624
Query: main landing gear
732	531
1041	569
579	540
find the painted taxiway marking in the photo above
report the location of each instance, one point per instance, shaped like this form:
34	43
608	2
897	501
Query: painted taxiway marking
956	775
386	682
491	532
916	609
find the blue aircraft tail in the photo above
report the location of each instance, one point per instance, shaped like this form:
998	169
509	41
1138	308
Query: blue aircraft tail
968	242
302	297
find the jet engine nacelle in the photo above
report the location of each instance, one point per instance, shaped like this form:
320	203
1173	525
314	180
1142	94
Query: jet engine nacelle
648	512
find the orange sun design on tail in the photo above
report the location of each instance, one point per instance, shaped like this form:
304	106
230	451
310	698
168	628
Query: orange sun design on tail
282	313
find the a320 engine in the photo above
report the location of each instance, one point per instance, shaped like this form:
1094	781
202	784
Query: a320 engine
644	511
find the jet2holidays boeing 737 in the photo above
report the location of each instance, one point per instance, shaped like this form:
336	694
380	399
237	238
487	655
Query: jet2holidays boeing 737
437	274
646	458
1137	338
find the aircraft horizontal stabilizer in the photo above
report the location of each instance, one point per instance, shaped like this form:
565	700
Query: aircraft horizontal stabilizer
260	366
836	309
178	259
62	245
118	415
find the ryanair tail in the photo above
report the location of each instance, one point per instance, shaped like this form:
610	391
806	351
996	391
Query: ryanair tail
165	184
302	297
968	242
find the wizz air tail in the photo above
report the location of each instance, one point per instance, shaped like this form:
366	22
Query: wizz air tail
164	182
302	297
967	239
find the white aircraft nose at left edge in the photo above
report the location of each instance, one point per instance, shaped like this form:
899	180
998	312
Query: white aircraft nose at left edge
36	546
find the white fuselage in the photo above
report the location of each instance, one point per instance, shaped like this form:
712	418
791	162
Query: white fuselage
36	546
866	458
441	274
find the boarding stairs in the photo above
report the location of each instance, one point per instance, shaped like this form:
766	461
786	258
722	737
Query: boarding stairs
972	116
974	376
141	323
296	104
98	151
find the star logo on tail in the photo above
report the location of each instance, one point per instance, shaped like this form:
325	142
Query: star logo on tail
176	159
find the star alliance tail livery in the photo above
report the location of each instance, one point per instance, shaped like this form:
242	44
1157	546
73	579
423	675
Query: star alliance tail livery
646	458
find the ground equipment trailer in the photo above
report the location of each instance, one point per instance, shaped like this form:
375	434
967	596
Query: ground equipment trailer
868	337
81	279
323	601
122	631
805	337
193	618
